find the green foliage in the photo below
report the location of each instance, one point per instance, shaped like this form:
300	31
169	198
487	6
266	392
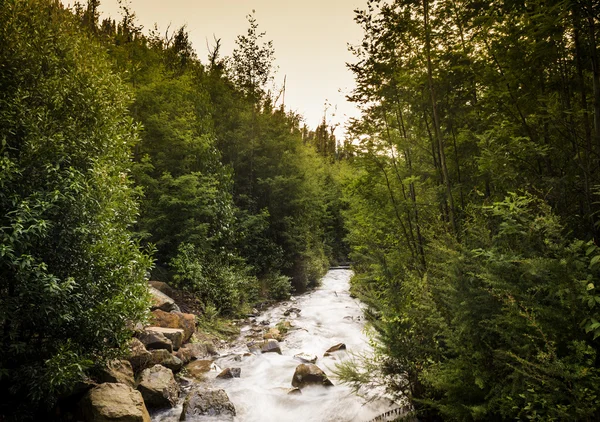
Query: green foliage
72	280
250	65
278	287
485	300
515	342
215	281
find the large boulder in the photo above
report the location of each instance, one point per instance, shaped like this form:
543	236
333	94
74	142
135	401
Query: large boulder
139	357
112	402
192	351
174	335
310	374
163	288
117	371
165	358
186	322
158	387
155	340
201	402
162	301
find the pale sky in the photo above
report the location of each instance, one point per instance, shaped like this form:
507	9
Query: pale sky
309	36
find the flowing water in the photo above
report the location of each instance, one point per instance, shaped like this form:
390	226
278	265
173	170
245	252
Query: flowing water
328	315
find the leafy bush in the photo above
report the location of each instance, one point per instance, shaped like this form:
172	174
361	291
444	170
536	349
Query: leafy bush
517	345
213	279
71	278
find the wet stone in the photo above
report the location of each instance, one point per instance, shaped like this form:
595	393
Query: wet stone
230	373
306	357
335	348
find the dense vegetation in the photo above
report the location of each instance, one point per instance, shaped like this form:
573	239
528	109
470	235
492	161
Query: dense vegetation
473	215
124	157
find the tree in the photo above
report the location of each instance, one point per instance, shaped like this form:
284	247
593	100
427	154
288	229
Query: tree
251	63
472	204
72	279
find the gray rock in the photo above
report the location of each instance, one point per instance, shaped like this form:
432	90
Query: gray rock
162	301
175	335
192	351
270	346
310	374
163	287
155	340
117	371
166	359
112	402
206	402
139	357
158	387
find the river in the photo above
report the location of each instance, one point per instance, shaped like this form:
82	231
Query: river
328	315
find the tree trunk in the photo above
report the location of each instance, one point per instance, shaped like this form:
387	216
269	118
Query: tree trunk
436	119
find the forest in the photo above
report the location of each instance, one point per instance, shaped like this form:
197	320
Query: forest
466	197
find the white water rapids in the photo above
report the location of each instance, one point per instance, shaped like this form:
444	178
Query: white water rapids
328	316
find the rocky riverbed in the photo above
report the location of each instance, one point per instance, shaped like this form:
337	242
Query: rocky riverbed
280	368
283	361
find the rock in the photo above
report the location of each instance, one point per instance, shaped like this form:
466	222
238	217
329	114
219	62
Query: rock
266	346
166	359
339	346
162	301
306	357
158	387
270	346
163	287
113	402
201	402
192	351
175	335
117	371
139	357
265	322
230	373
294	392
211	349
155	340
310	374
186	322
198	368
273	333
292	310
